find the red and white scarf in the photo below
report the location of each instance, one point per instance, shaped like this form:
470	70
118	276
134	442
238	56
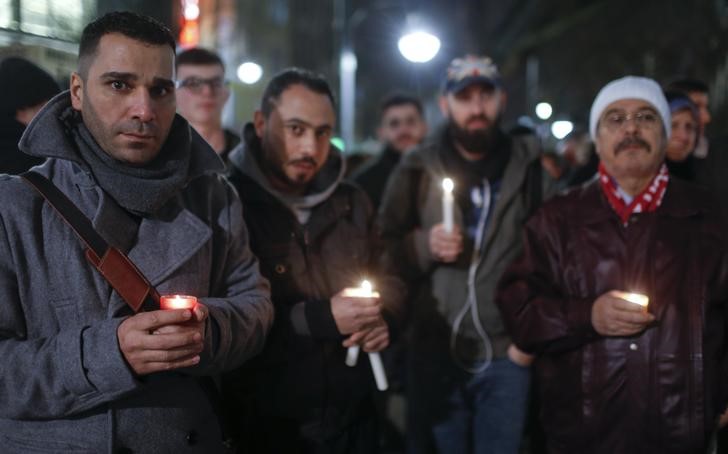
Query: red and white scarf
646	201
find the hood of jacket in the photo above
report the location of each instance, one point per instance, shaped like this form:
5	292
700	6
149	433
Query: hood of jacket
245	158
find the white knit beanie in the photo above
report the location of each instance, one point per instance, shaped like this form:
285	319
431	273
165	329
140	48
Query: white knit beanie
630	87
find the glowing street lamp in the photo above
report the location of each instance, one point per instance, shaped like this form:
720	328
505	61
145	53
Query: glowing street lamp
561	128
249	72
544	110
419	46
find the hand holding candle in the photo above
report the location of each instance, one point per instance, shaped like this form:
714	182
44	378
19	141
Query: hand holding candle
352	354
619	313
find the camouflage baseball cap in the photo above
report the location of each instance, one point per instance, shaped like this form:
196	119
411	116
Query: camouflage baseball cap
469	70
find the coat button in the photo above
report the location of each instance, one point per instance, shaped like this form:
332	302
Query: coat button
633	346
191	438
280	268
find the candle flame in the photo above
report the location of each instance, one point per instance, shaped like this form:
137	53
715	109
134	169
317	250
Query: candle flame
366	286
635	298
448	185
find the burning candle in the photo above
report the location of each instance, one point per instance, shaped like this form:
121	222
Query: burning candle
352	354
177	302
447	204
635	298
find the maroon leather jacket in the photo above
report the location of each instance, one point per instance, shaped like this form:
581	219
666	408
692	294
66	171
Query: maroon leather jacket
656	392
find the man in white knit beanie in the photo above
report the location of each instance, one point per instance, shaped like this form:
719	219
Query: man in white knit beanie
621	292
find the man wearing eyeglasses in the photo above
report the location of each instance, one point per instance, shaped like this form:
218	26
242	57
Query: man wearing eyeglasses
202	92
614	375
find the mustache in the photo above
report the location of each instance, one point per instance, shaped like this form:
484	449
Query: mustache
304	160
481	117
631	141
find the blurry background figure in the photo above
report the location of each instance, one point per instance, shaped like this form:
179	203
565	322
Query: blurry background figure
26	88
402	127
580	158
202	92
698	93
555	166
684	136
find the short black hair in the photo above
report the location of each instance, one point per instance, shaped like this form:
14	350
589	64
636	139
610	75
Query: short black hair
400	99
136	26
688	85
198	56
294	76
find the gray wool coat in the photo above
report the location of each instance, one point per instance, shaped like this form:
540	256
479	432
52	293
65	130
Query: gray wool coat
64	384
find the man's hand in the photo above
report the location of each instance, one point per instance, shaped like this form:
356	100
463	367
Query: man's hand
374	339
163	340
613	316
445	246
519	357
353	314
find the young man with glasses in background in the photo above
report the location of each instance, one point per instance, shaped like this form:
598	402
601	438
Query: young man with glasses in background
202	92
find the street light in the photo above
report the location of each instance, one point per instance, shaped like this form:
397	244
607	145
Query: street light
348	60
250	72
544	110
419	46
561	128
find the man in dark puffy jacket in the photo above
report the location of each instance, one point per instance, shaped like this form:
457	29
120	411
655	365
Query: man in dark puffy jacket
614	375
313	235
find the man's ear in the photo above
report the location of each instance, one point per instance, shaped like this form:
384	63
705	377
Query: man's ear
259	123
76	88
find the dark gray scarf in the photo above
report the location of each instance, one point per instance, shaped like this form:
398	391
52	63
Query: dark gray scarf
141	190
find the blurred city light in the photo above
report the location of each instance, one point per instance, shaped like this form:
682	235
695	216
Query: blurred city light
419	47
338	142
561	128
192	11
249	72
544	110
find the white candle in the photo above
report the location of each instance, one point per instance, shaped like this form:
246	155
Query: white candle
635	298
447	204
378	370
352	354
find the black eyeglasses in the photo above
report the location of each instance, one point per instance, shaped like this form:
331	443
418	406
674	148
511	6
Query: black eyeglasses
195	84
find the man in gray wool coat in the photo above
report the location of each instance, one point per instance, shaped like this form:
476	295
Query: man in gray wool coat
81	371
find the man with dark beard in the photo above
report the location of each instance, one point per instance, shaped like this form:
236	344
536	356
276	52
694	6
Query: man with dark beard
469	383
313	233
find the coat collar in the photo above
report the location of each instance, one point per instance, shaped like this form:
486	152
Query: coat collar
46	137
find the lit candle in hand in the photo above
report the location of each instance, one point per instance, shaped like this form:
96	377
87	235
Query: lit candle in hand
167	302
352	354
447	204
635	298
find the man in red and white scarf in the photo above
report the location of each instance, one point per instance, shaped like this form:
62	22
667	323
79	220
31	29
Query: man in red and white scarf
616	376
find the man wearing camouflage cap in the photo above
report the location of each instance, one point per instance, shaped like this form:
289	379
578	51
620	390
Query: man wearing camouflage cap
621	291
468	385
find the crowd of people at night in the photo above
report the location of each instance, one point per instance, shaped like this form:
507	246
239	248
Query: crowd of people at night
172	285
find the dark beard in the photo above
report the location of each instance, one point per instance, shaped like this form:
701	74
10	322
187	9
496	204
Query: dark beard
476	142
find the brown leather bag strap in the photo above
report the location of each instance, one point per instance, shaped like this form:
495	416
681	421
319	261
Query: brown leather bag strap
114	265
